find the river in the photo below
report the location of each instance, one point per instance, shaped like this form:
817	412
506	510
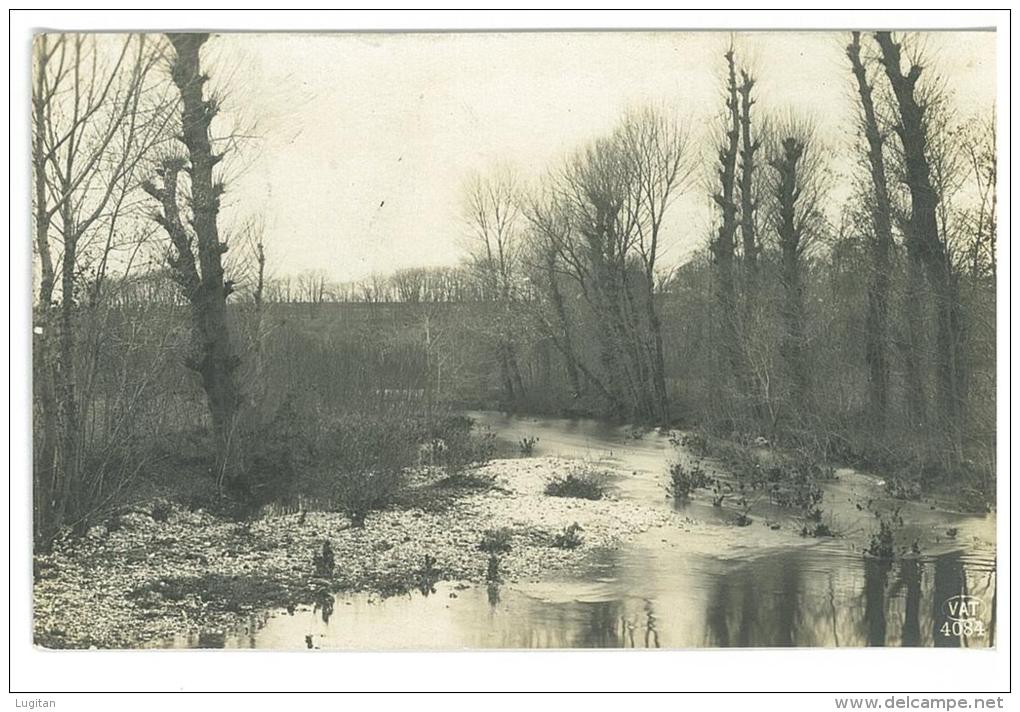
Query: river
756	586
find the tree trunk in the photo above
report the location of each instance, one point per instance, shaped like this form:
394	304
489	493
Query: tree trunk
215	360
749	147
790	245
559	306
724	245
67	391
658	359
925	242
877	318
45	451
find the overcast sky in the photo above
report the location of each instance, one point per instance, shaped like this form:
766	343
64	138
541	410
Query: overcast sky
365	140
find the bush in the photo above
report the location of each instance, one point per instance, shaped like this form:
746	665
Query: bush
270	468
366	456
817	530
684	480
496	541
883	541
324	561
569	538
904	488
527	446
461	446
580	485
696	442
161	510
358	493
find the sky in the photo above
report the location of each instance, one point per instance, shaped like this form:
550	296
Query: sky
362	143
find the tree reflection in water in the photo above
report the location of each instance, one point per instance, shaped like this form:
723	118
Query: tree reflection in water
876	577
804	597
781	603
950	581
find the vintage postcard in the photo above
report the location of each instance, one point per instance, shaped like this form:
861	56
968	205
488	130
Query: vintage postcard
382	341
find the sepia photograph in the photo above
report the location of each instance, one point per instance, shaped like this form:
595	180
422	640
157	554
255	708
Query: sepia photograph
548	338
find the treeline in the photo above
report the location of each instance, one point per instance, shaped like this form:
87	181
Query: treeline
863	327
855	316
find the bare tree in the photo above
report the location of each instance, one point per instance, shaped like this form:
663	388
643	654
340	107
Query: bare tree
493	211
410	285
96	116
201	275
723	244
882	247
925	242
749	146
656	145
979	147
796	193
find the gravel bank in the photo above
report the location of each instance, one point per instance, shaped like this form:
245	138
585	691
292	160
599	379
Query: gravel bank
150	579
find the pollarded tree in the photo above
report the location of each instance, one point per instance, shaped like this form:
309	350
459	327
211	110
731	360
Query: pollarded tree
749	145
926	242
723	244
196	255
882	247
796	192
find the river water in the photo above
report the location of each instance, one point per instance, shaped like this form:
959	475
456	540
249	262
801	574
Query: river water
755	586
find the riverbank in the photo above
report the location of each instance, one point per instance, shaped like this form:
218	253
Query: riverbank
165	570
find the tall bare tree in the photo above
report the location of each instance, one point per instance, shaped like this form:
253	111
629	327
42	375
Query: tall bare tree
723	244
656	145
749	146
877	321
925	242
493	211
96	117
797	191
197	254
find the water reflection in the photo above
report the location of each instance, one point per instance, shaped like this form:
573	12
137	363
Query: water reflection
792	598
876	577
949	581
756	607
676	588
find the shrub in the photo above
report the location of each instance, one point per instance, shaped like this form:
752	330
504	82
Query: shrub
695	442
744	515
366	458
452	443
883	541
324	561
492	570
358	493
427	576
381	442
904	488
270	470
161	510
496	541
569	538
818	530
580	485
803	494
527	446
684	480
